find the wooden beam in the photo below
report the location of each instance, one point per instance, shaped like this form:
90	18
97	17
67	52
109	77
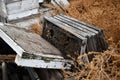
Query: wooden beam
7	58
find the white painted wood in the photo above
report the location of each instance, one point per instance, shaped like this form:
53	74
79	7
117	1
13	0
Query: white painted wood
31	49
41	63
13	6
19	10
11	1
1	24
27	23
3	11
68	28
40	1
22	14
62	3
30	1
21	6
48	55
32	43
11	43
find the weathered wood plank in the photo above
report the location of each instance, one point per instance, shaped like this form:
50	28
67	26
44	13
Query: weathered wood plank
99	37
41	1
60	3
7	58
3	11
65	27
72	36
64	37
71	21
81	22
31	49
22	14
24	19
21	6
11	1
30	42
39	63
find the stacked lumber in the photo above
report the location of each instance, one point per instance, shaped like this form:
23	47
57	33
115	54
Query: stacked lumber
13	10
73	37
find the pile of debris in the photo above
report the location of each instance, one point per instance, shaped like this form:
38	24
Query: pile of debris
67	40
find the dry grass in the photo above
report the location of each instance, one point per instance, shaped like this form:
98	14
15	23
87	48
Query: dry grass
37	28
104	14
104	66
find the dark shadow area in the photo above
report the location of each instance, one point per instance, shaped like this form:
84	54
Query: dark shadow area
13	72
5	48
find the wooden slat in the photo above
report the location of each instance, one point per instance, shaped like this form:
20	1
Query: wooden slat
99	42
7	58
3	57
22	14
64	37
21	6
60	29
26	20
11	1
40	63
32	50
30	42
3	11
60	3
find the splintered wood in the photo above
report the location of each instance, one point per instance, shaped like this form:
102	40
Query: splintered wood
73	37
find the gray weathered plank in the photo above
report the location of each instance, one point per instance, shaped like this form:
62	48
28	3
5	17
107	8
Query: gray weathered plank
22	14
3	11
40	63
30	42
21	6
31	49
77	37
11	1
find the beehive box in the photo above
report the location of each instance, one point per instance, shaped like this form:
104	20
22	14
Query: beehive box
18	9
73	37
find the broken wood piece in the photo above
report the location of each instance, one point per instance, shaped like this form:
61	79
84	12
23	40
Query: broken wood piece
31	48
